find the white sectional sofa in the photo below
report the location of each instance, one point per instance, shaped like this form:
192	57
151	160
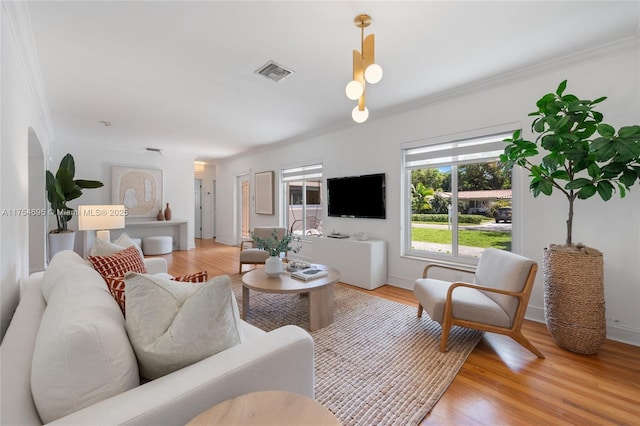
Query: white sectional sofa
279	360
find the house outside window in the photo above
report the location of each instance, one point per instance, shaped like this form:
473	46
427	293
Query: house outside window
457	198
303	199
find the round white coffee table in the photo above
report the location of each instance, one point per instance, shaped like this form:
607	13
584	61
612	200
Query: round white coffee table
320	292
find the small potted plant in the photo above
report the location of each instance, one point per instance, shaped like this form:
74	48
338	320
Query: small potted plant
583	156
62	188
274	245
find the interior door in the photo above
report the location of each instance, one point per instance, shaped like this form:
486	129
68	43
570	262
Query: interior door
197	220
243	207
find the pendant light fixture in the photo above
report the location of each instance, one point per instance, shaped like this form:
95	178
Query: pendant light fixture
364	70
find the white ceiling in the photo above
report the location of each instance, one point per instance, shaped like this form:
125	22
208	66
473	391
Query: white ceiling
179	75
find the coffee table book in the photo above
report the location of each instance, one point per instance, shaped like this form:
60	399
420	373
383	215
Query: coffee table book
308	274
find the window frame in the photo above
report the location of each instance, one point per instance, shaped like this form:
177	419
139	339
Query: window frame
435	145
303	173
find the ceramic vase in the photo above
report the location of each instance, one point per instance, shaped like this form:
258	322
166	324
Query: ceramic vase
273	266
160	216
167	212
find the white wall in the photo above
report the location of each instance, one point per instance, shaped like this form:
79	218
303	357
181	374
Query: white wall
21	111
375	147
95	164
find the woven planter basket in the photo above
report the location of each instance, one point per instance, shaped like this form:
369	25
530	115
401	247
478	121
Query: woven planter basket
574	297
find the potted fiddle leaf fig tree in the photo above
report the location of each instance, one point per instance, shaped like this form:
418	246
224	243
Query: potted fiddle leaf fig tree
61	188
582	157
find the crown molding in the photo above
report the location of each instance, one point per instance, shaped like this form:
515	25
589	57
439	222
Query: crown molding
19	19
616	48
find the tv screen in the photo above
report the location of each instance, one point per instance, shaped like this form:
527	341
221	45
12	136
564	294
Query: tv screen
357	196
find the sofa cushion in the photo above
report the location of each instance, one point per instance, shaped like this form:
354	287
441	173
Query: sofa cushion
106	248
82	354
118	264
172	325
117	285
60	266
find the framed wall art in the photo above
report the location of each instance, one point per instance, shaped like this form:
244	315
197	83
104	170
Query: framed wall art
139	190
264	192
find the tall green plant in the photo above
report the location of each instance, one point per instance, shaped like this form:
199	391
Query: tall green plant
62	188
584	156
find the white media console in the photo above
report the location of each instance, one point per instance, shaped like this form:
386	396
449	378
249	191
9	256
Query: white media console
361	263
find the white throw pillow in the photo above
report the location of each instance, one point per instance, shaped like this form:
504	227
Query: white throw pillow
174	324
82	354
106	248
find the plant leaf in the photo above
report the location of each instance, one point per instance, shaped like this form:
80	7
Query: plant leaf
561	88
587	191
628	177
597	101
628	131
68	164
605	190
578	183
560	174
606	130
89	184
593	170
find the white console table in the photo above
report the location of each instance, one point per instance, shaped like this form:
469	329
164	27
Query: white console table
361	263
178	229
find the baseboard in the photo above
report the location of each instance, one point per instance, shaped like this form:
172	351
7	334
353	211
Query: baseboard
615	332
400	282
227	242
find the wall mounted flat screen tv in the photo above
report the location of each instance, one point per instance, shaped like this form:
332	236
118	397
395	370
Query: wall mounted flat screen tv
357	196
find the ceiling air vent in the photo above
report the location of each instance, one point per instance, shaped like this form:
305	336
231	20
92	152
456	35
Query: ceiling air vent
273	71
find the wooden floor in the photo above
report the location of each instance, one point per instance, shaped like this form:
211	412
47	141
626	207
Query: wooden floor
501	383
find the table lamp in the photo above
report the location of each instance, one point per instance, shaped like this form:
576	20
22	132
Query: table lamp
101	219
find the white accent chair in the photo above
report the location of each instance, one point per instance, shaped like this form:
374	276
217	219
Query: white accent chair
255	255
496	301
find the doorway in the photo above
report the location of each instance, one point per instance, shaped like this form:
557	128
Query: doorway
197	220
243	203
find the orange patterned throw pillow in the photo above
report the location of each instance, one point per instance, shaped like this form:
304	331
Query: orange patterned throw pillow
118	264
200	277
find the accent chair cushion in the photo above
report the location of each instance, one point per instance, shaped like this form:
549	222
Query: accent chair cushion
503	270
172	325
468	303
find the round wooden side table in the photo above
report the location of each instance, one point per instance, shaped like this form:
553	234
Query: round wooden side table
267	408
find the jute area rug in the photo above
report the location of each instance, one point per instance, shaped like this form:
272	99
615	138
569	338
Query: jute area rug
377	363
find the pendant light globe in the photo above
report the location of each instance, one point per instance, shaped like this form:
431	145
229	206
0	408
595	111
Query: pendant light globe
360	116
373	73
354	90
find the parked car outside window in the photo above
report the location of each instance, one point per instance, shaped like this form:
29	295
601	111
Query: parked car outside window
503	214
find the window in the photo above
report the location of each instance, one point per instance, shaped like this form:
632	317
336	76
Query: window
302	189
454	190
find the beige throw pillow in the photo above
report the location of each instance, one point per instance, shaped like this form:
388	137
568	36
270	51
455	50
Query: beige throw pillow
174	324
106	248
